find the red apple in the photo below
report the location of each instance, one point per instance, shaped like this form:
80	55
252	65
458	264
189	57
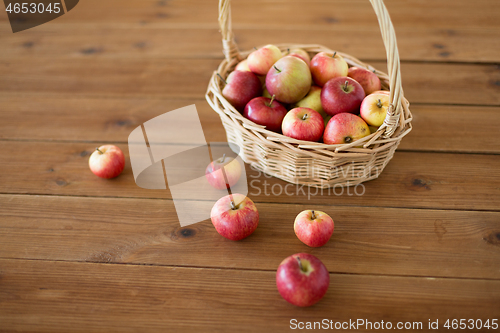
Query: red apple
313	228
289	79
303	124
301	54
235	216
107	161
302	279
266	112
241	87
367	79
325	66
341	94
223	173
261	60
374	107
345	128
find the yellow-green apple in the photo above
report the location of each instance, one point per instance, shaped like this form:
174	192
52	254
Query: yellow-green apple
301	54
235	216
373	129
312	101
341	94
325	66
107	161
223	173
313	228
302	279
266	112
241	87
374	107
303	124
367	79
261	60
289	79
266	93
345	128
242	66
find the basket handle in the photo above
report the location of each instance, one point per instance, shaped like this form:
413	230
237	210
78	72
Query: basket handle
392	120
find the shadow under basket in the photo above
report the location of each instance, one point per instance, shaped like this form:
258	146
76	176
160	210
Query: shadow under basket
313	163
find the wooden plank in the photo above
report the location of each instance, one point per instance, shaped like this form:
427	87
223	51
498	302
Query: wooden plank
142	231
436	128
60	297
112	41
411	180
291	14
188	78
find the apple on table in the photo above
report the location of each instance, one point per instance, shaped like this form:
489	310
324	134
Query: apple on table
302	279
345	128
235	216
342	94
313	227
223	173
289	79
325	66
240	88
266	112
303	124
107	161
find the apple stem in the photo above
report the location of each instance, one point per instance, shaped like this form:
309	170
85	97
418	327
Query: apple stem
304	117
346	83
271	102
223	158
347	139
100	152
279	71
313	216
255	47
379	103
222	78
334	54
300	264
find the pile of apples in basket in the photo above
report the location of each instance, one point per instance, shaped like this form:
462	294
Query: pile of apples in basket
318	99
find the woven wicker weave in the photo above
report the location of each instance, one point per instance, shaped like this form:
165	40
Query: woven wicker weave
312	163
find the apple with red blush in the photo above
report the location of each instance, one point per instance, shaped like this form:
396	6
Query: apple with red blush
325	66
261	60
235	216
345	128
301	54
313	227
289	79
302	279
374	107
240	88
107	161
367	79
303	124
223	173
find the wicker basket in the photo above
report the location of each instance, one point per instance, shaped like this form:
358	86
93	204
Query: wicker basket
312	163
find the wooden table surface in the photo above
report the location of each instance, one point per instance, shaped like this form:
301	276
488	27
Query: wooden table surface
82	254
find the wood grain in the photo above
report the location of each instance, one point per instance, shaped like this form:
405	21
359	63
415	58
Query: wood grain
58	297
106	40
366	240
411	180
435	127
188	78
